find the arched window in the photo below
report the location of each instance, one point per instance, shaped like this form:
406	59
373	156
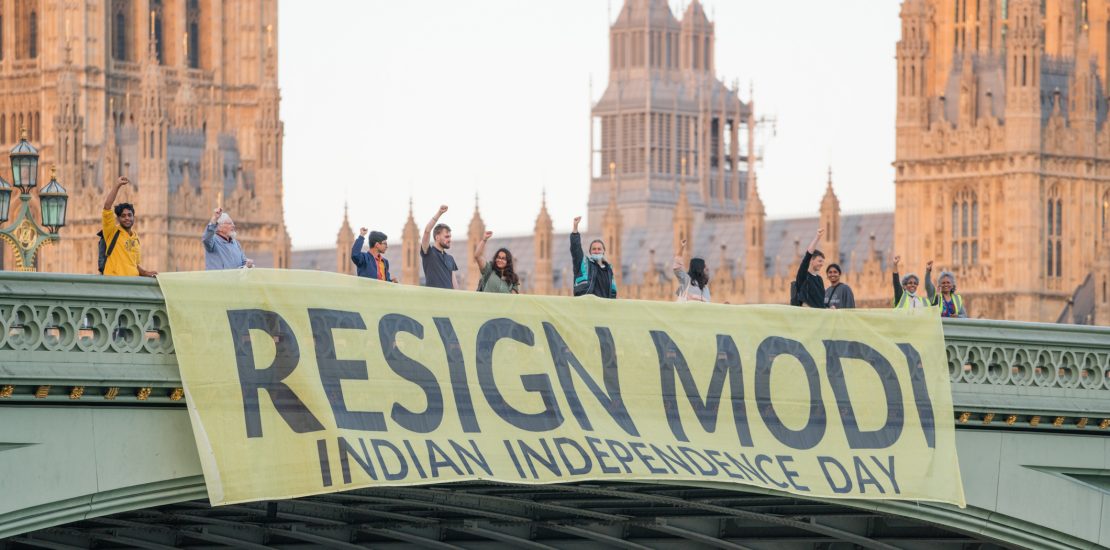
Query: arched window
33	35
1105	208
121	10
1054	233
965	228
159	38
192	22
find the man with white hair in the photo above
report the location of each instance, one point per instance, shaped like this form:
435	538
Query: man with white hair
221	248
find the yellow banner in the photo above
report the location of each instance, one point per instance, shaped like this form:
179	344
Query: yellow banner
301	383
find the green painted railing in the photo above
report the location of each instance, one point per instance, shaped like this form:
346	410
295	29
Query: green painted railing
108	339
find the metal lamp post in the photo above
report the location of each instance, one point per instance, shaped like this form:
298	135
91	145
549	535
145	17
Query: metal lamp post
25	235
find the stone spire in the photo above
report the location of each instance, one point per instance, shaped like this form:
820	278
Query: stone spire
755	217
683	221
410	251
1083	110
343	243
474	234
542	276
1023	77
830	221
969	92
912	50
611	227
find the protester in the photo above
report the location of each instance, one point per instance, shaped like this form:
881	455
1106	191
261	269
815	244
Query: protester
370	259
118	230
498	276
951	304
905	290
592	274
838	295
693	284
440	270
221	248
809	288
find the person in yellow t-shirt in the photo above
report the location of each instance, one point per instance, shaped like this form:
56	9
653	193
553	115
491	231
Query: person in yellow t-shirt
119	219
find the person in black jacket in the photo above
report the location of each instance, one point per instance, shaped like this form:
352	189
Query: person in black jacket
592	274
809	287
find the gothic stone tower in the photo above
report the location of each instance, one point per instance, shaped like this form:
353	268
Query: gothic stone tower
666	123
1003	147
179	95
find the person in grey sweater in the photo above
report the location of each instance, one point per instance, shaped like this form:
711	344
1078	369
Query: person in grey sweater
221	249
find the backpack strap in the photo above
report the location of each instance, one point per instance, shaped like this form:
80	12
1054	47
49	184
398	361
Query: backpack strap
111	245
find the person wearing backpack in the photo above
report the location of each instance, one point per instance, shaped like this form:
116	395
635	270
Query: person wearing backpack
498	275
121	257
808	288
592	274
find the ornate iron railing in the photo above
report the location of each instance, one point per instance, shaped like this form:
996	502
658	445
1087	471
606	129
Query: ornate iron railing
107	339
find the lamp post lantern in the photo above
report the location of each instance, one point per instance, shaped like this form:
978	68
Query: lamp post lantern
25	235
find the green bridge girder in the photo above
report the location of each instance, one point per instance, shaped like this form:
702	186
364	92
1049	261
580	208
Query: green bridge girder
93	425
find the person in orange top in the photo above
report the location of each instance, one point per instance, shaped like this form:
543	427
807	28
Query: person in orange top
118	221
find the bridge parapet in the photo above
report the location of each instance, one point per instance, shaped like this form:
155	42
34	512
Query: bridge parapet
69	337
1029	375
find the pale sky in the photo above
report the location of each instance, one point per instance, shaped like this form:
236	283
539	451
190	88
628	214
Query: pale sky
442	99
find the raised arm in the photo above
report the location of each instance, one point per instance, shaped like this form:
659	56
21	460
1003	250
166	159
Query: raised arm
356	249
210	230
816	239
895	280
110	198
426	239
930	290
480	249
576	254
676	265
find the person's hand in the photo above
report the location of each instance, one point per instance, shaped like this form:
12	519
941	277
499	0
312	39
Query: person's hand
487	235
682	245
249	264
442	210
122	181
820	232
929	265
216	214
363	231
897	260
577	220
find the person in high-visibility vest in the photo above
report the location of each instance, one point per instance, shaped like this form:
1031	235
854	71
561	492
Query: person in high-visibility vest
905	290
951	304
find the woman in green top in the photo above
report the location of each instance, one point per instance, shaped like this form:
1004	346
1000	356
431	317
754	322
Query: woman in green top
497	275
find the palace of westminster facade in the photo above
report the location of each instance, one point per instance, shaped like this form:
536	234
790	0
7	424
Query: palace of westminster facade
181	96
1002	164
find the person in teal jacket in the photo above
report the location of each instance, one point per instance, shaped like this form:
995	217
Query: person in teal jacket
592	274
